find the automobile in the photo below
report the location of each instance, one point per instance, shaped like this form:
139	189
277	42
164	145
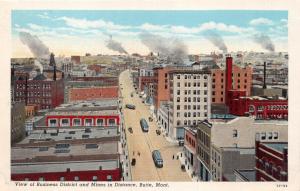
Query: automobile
144	125
157	158
158	132
181	142
133	162
182	167
130	129
130	106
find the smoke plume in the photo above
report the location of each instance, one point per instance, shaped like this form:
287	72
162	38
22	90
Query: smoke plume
265	41
36	46
116	46
174	49
217	40
37	63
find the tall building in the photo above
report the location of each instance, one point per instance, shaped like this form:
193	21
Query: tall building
190	99
161	85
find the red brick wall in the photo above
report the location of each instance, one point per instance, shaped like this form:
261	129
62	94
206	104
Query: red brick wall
94	93
69	176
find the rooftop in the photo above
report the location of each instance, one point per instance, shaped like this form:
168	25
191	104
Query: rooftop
277	146
80	113
69	134
247	174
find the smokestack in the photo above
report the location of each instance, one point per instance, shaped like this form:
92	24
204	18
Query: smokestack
26	90
265	68
228	77
52	63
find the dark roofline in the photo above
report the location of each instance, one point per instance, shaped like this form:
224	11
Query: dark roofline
189	71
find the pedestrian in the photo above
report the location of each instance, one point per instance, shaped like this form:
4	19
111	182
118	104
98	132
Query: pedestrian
139	153
177	157
173	157
133	153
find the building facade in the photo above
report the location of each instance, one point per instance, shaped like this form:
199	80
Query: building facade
190	144
92	93
18	117
190	99
271	161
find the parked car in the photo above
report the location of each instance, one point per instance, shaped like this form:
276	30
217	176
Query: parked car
158	132
130	106
133	162
130	129
181	142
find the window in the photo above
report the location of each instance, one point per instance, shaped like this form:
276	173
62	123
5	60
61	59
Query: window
111	122
270	135
76	122
178	107
213	93
275	135
205	77
88	122
178	99
205	99
41	178
95	178
178	122
263	136
178	92
53	122
100	122
62	178
235	133
65	122
76	178
205	92
26	179
205	84
109	178
178	77
178	114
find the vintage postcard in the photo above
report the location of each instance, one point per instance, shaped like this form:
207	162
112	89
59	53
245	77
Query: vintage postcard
116	96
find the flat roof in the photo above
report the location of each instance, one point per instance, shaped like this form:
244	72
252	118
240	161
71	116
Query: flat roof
69	134
63	166
83	105
247	174
80	113
62	152
277	146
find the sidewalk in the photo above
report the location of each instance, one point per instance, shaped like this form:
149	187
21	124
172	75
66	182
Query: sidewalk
188	167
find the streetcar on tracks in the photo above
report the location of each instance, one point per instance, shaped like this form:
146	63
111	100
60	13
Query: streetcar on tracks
157	158
144	125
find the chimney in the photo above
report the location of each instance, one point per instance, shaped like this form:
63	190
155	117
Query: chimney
52	63
228	80
264	85
26	90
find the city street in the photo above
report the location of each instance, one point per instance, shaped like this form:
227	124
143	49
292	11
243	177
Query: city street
145	143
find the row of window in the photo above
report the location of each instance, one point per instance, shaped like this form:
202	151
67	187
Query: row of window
33	86
204	139
190	141
190	76
78	122
267	135
75	178
189	107
195	92
190	122
189	99
33	94
189	84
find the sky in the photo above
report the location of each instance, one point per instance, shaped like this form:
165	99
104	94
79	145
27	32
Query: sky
76	32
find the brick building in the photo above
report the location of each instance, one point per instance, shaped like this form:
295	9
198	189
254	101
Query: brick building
190	144
45	93
271	161
92	93
239	103
161	85
104	113
240	79
144	81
